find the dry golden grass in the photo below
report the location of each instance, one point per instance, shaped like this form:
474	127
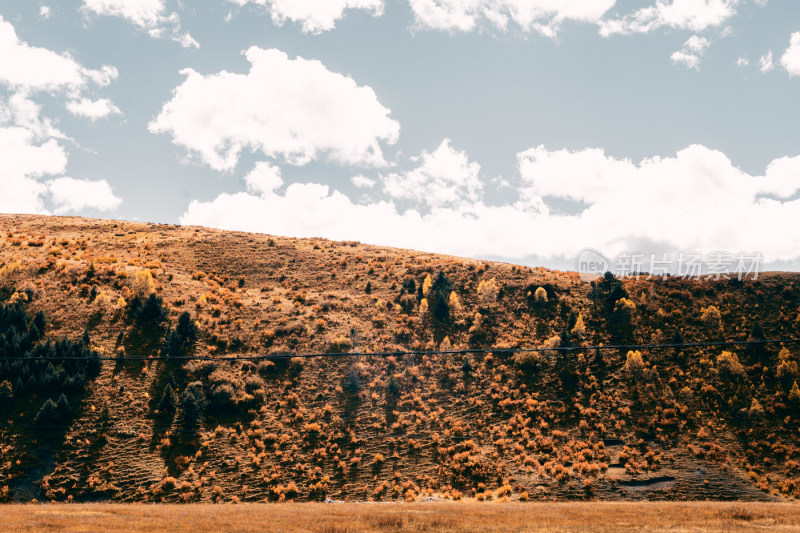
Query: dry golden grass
434	517
677	425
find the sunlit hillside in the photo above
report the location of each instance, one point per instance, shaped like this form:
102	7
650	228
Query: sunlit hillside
89	415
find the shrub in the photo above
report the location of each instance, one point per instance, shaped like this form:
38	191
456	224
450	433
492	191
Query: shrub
6	391
540	296
527	360
755	411
340	343
223	397
252	383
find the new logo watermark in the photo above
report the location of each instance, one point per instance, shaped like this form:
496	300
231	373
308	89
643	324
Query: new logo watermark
592	264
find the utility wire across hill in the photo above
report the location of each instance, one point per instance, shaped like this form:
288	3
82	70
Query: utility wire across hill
402	353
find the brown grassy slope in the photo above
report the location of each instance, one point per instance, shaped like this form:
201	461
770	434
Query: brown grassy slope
683	426
433	517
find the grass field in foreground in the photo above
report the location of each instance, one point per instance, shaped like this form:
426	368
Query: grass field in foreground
356	517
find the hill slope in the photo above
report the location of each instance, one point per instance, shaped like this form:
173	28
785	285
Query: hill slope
670	424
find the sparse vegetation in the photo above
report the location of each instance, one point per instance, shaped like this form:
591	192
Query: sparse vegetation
570	424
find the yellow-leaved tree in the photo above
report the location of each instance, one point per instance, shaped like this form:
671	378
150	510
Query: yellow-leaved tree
579	329
487	291
427	283
143	284
729	367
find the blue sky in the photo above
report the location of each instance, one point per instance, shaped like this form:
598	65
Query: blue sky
524	130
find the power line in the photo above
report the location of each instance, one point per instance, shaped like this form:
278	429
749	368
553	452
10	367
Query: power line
402	353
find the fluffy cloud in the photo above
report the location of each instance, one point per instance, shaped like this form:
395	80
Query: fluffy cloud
291	108
694	15
444	178
695	200
93	109
25	155
29	68
691	52
69	194
31	150
150	15
29	143
362	182
765	64
543	16
264	178
790	60
316	16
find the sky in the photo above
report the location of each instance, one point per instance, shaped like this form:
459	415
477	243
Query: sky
519	130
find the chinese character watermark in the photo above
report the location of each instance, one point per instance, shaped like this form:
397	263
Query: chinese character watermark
591	264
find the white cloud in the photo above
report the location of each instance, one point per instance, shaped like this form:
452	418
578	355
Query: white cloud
29	143
362	182
742	62
694	15
316	16
70	195
697	44
31	150
695	200
44	12
150	15
26	156
691	52
93	109
29	68
264	178
790	60
686	58
543	16
444	178
765	64
291	108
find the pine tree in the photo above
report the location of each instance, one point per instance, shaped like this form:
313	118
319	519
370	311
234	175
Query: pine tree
167	404
191	410
64	408
794	395
48	414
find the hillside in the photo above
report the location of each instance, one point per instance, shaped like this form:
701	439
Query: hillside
610	425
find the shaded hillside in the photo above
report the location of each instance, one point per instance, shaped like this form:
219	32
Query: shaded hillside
669	424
